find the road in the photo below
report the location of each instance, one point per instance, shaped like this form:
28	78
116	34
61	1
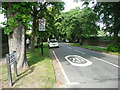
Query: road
101	72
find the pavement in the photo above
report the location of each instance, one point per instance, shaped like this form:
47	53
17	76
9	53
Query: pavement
83	68
60	79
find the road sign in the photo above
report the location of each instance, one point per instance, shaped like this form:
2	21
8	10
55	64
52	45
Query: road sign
11	59
42	24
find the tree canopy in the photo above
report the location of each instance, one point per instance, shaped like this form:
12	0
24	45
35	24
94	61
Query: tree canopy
77	23
109	14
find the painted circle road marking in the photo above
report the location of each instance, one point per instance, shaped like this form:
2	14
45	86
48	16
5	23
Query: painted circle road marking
78	60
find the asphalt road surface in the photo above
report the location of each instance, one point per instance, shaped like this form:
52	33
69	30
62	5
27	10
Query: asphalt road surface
91	69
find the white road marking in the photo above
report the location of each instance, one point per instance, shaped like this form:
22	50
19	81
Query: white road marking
79	51
68	81
79	59
69	47
107	62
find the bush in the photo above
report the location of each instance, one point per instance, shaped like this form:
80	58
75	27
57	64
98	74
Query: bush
113	48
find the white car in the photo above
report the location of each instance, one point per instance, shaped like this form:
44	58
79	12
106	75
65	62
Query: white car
67	41
53	43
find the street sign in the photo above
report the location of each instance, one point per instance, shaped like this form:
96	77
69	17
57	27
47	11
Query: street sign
42	24
11	59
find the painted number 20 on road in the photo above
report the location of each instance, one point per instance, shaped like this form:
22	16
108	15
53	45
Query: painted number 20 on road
76	60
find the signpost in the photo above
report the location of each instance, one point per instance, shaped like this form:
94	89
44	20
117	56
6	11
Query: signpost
11	59
41	28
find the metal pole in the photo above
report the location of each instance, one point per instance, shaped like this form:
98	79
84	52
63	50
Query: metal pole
41	47
9	70
15	68
15	64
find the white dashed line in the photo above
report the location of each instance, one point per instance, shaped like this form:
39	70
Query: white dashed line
107	62
68	81
79	51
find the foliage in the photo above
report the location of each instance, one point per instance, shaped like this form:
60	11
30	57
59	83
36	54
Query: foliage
18	16
12	24
7	30
113	48
50	15
109	14
77	23
22	13
102	33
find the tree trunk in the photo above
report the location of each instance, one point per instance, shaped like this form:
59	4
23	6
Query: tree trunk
115	37
32	47
116	30
16	40
17	43
116	24
81	41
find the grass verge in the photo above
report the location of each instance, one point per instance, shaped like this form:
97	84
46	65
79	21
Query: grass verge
95	48
40	73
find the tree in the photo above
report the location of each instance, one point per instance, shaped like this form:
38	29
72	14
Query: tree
37	11
78	24
88	20
109	14
15	28
50	15
18	15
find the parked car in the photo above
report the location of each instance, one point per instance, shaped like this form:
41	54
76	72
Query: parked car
53	43
67	41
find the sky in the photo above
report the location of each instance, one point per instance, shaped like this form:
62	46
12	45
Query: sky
70	4
2	18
